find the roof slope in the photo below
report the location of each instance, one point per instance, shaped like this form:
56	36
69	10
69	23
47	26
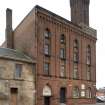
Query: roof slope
15	55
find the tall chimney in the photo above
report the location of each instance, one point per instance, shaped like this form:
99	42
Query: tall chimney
9	32
80	11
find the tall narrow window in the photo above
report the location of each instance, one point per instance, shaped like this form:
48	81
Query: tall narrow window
88	93
47	42
62	95
88	72
88	58
75	73
46	68
75	59
62	53
62	70
63	47
88	62
76	92
76	51
18	70
46	49
62	39
47	33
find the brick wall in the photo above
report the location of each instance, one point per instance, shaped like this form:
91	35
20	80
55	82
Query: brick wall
29	38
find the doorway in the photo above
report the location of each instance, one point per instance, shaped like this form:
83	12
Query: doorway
14	93
46	100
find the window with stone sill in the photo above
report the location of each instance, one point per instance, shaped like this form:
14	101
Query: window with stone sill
62	70
88	55
62	39
76	57
62	53
88	93
76	92
47	42
47	49
75	71
83	93
47	33
88	72
18	70
46	69
76	51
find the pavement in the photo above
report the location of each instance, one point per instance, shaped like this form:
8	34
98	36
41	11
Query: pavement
97	104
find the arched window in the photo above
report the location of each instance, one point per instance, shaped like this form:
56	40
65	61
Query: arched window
62	47
88	62
62	95
88	69
62	56
76	51
47	42
62	39
47	93
88	55
47	33
88	93
46	69
76	92
75	59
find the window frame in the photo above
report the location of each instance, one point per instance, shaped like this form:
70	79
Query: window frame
75	71
18	70
62	39
88	93
62	53
47	49
46	69
47	33
76	92
63	95
88	55
62	70
76	51
88	63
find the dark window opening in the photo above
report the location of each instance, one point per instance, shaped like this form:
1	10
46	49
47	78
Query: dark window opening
62	95
62	39
46	100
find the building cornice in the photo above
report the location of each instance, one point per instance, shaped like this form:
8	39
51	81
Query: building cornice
81	27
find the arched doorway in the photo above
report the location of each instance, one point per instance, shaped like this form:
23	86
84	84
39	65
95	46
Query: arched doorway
47	94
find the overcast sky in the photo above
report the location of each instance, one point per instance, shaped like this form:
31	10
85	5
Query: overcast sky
61	7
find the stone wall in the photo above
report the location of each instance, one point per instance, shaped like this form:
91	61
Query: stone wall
25	84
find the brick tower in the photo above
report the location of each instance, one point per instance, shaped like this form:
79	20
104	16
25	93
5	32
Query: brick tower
80	11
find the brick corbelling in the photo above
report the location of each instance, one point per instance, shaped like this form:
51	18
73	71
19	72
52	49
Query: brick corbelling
57	19
66	27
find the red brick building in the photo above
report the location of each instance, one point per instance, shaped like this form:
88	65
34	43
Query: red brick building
65	53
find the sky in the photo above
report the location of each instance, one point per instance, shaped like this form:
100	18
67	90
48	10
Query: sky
61	7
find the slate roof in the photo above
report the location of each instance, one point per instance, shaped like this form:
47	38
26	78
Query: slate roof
15	55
